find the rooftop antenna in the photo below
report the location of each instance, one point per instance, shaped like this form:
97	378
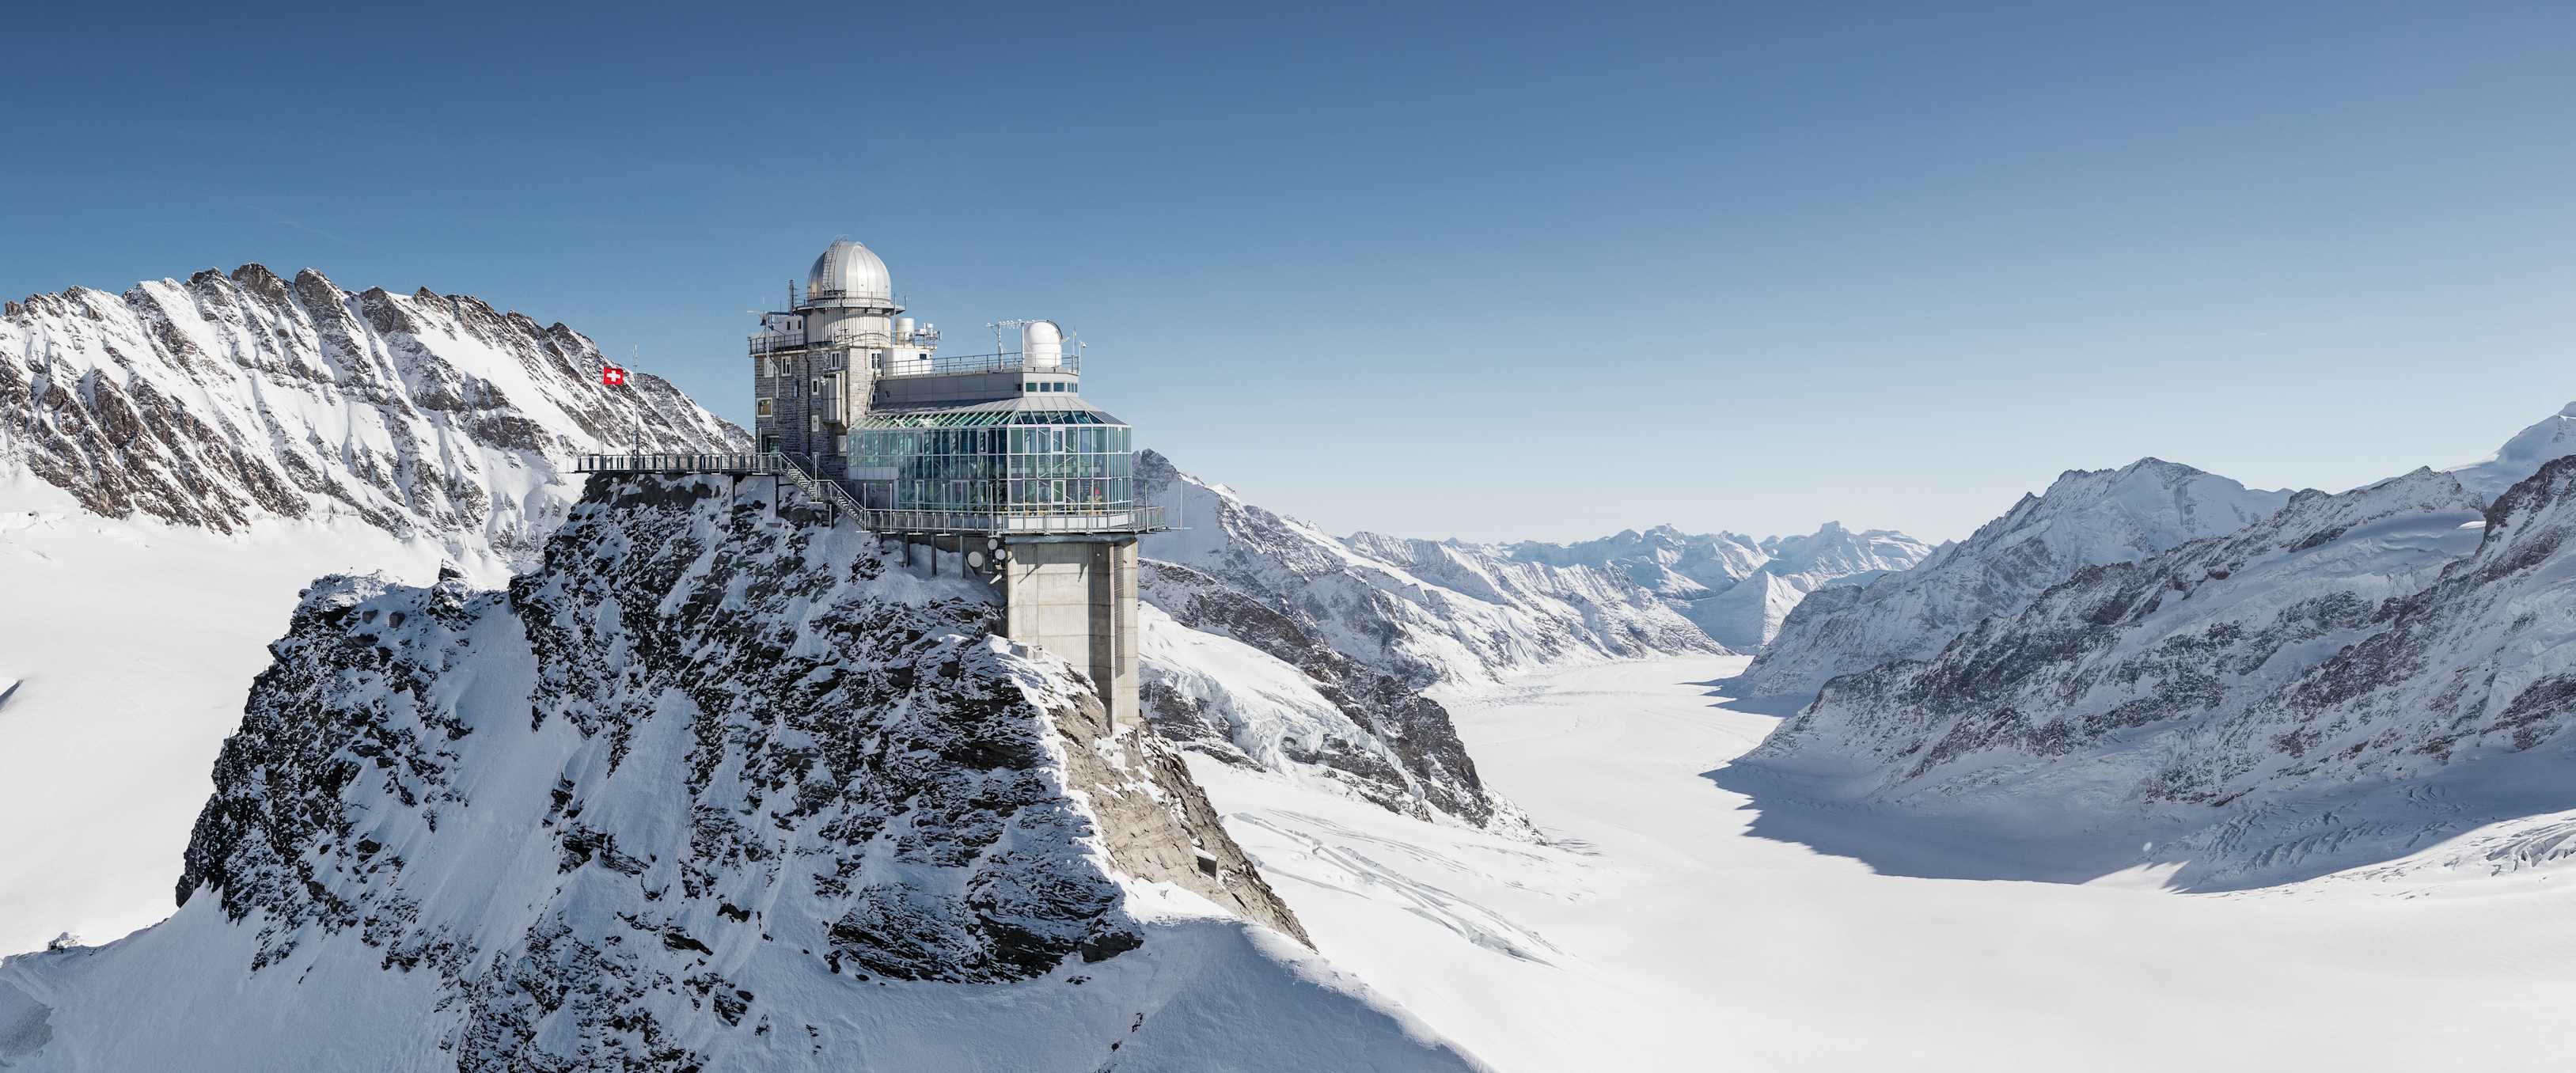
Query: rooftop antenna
997	327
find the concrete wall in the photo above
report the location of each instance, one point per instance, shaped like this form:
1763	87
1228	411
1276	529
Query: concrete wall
1077	599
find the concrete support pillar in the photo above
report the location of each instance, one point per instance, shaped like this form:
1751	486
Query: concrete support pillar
1077	599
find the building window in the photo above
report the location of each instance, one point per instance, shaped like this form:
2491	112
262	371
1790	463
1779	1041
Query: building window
767	408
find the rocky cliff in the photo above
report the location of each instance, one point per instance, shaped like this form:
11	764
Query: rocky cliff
718	785
1241	682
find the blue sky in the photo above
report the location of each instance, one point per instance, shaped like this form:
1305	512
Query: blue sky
1488	272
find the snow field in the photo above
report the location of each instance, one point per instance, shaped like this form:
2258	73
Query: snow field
1656	934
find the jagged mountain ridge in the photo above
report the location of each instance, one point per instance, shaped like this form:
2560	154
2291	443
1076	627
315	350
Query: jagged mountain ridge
720	785
1423	611
2086	518
1737	588
2360	676
224	400
1228	676
2125	649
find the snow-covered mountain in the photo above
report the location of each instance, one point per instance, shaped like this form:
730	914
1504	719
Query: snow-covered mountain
2360	676
718	786
2086	518
1424	611
223	401
2521	456
177	461
1228	676
2124	653
1737	588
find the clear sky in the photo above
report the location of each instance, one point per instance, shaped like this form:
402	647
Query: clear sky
1487	272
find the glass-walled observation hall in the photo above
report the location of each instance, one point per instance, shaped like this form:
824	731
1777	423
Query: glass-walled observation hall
1021	464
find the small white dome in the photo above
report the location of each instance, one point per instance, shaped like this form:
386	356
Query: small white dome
849	272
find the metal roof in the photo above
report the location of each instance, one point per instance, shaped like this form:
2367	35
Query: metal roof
850	271
1022	410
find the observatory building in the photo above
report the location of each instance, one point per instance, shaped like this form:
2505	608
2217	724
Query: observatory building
994	457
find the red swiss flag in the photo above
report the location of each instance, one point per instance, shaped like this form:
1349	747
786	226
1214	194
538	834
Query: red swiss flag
612	376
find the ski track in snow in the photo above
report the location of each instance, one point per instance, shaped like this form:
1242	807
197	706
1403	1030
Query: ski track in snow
1667	937
1338	846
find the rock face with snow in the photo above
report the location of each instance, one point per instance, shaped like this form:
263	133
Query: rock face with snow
2481	663
716	787
1737	588
2085	519
1228	676
2125	652
1426	612
2359	676
223	400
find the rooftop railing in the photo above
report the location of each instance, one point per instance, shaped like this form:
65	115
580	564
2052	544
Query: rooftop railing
875	299
963	364
769	343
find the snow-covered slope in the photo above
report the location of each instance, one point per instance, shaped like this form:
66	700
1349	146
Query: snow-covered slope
2088	690
1736	588
714	788
2086	518
2523	455
2358	677
1227	676
1424	611
224	401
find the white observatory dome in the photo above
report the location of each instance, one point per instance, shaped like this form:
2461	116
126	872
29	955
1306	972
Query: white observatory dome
848	272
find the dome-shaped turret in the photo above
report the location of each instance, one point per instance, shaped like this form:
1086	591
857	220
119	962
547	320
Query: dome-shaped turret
849	275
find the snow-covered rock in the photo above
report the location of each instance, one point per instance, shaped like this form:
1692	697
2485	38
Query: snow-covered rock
1226	675
720	785
1426	612
1737	588
223	401
2086	518
2356	678
2521	456
176	462
2086	691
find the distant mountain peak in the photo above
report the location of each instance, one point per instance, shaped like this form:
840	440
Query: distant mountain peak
228	401
2086	518
2523	455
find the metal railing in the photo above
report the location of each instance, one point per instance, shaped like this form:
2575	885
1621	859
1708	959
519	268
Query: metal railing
1038	519
875	300
977	363
679	462
773	343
